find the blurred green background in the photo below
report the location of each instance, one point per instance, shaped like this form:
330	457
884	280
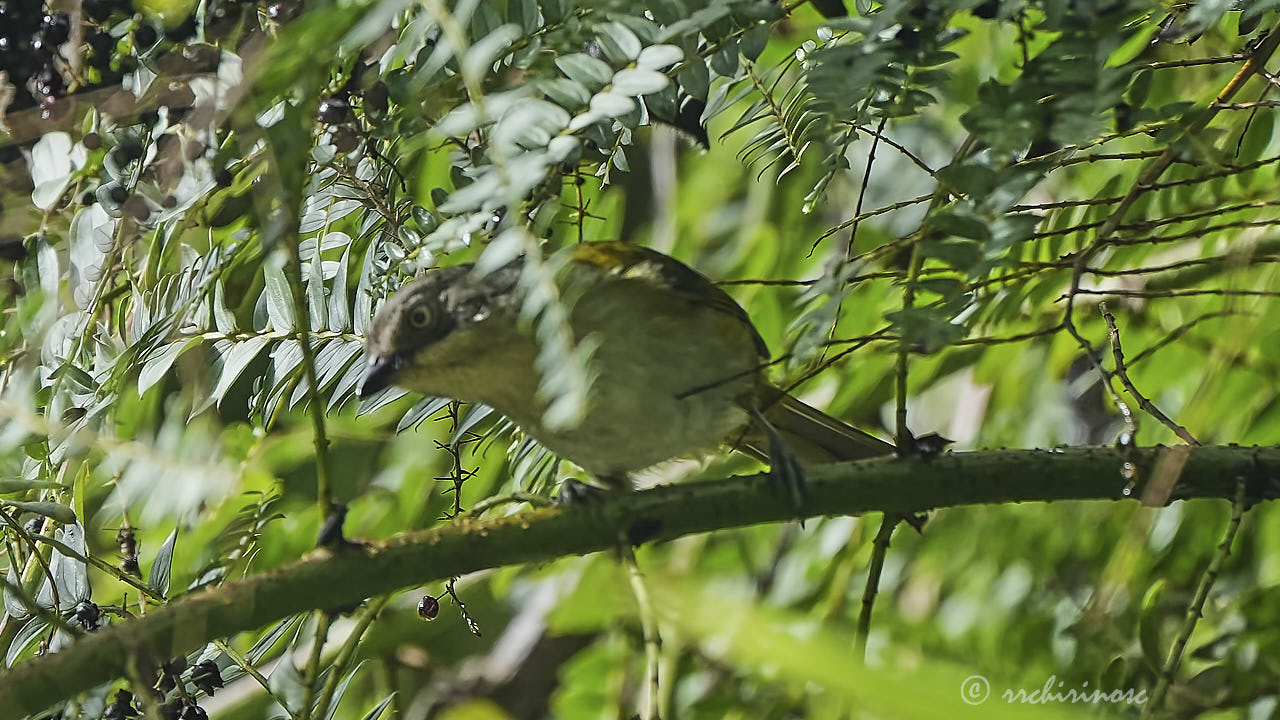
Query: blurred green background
972	151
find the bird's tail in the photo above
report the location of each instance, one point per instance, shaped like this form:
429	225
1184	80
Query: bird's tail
812	435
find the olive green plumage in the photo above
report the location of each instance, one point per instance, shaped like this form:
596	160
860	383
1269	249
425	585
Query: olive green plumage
678	368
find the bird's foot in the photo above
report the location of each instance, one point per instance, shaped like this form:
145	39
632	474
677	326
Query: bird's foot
787	474
925	447
785	470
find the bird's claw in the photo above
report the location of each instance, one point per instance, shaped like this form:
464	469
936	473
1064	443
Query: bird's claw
788	476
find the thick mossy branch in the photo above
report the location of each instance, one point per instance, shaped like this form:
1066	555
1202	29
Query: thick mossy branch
326	579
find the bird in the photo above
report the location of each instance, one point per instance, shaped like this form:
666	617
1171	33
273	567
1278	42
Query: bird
678	369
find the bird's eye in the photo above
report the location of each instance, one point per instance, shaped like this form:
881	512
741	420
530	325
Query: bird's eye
420	317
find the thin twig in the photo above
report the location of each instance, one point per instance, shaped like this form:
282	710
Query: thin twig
312	674
1147	182
316	406
1196	609
879	550
338	668
472	625
243	663
1117	354
1175	293
1192	62
878	134
515	497
648	629
1180	331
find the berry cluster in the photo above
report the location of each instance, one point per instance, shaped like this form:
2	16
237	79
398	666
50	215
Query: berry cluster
29	40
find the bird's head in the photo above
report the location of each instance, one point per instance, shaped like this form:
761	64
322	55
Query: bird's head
435	325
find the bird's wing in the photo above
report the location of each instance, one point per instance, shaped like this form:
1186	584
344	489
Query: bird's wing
634	261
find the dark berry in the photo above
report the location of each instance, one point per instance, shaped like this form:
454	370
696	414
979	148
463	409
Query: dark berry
145	37
428	607
137	208
207	676
88	614
121	707
88	198
170	202
344	139
118	194
92	141
167	144
334	111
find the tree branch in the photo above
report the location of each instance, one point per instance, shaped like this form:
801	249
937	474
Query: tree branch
329	579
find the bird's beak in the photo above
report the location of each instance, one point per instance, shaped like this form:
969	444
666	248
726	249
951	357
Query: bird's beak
377	374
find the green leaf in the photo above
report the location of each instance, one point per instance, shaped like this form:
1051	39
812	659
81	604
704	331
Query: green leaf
585	70
969	178
638	82
612	104
13	603
376	712
425	408
1149	620
55	511
78	377
11	485
960	221
659	57
233	362
725	60
566	93
620	44
317	308
755	39
339	314
158	578
286	683
481	56
157	366
70	574
695	79
279	297
340	691
25	638
223	318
